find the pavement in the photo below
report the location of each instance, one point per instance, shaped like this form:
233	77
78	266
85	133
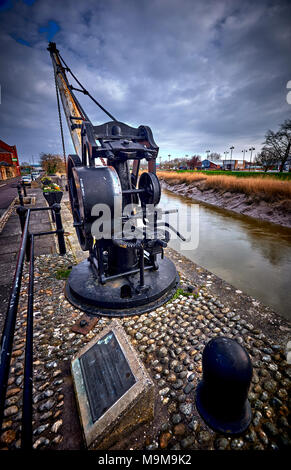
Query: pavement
10	239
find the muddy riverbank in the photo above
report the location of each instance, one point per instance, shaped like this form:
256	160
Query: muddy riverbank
275	212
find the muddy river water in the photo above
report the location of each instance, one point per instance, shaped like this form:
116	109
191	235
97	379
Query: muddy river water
252	255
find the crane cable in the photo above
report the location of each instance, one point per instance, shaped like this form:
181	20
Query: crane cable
83	90
60	119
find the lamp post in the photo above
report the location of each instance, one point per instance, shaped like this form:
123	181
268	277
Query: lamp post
169	159
225	153
244	151
251	150
231	149
207	153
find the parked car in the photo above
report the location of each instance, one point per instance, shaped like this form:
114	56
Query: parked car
26	179
35	175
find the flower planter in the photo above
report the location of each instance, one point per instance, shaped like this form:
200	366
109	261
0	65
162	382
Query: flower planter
53	197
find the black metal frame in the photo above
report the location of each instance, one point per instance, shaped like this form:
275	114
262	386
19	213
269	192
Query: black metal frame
26	248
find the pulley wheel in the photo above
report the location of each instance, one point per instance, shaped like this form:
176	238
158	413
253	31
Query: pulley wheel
149	182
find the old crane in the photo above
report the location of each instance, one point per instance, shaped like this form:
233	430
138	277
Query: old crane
126	272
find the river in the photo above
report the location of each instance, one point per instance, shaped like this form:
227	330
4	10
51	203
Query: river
252	255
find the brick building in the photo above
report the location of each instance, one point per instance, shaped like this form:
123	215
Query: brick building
9	164
210	165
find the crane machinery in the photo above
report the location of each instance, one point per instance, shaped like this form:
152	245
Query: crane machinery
126	272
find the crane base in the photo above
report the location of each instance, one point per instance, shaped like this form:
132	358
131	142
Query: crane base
121	297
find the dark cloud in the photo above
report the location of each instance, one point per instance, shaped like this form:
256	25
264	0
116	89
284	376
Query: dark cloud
203	74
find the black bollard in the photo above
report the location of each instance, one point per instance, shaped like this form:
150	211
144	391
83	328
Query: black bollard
20	195
59	226
222	395
24	188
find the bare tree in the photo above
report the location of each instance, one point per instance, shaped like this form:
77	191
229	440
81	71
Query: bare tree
213	156
279	143
194	162
266	159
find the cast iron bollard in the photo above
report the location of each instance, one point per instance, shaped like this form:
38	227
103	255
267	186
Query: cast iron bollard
60	230
222	395
24	188
20	195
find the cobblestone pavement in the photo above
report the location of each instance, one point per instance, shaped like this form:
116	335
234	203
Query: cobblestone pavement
170	342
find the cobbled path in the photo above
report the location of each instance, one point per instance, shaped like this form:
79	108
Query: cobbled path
170	342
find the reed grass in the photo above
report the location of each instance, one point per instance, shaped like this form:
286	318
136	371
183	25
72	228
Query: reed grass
263	188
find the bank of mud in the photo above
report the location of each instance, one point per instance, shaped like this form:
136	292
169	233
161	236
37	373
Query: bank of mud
278	212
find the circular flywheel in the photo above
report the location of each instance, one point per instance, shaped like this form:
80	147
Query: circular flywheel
89	189
150	184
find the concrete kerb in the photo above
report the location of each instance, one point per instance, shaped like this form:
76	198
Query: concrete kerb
5	216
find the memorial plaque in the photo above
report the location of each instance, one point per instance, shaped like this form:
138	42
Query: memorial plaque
114	392
107	375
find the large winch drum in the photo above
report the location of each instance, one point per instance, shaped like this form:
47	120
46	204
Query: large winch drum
97	186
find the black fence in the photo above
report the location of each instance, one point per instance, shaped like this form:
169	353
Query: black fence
26	250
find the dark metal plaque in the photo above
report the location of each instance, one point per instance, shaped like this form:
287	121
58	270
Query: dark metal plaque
106	374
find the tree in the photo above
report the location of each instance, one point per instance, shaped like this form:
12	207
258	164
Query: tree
214	156
194	162
51	163
279	143
266	159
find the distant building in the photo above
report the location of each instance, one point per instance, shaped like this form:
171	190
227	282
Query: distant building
211	165
235	164
9	164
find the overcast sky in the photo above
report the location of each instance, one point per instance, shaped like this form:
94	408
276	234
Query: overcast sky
204	75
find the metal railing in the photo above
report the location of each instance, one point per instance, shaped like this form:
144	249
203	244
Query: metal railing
26	248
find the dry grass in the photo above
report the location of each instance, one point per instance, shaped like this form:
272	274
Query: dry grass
172	177
263	188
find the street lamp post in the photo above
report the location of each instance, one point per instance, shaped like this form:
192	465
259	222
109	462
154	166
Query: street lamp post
251	150
207	153
244	151
231	149
225	153
169	159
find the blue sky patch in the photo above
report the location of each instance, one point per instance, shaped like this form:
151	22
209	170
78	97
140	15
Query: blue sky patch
51	29
21	41
7	4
